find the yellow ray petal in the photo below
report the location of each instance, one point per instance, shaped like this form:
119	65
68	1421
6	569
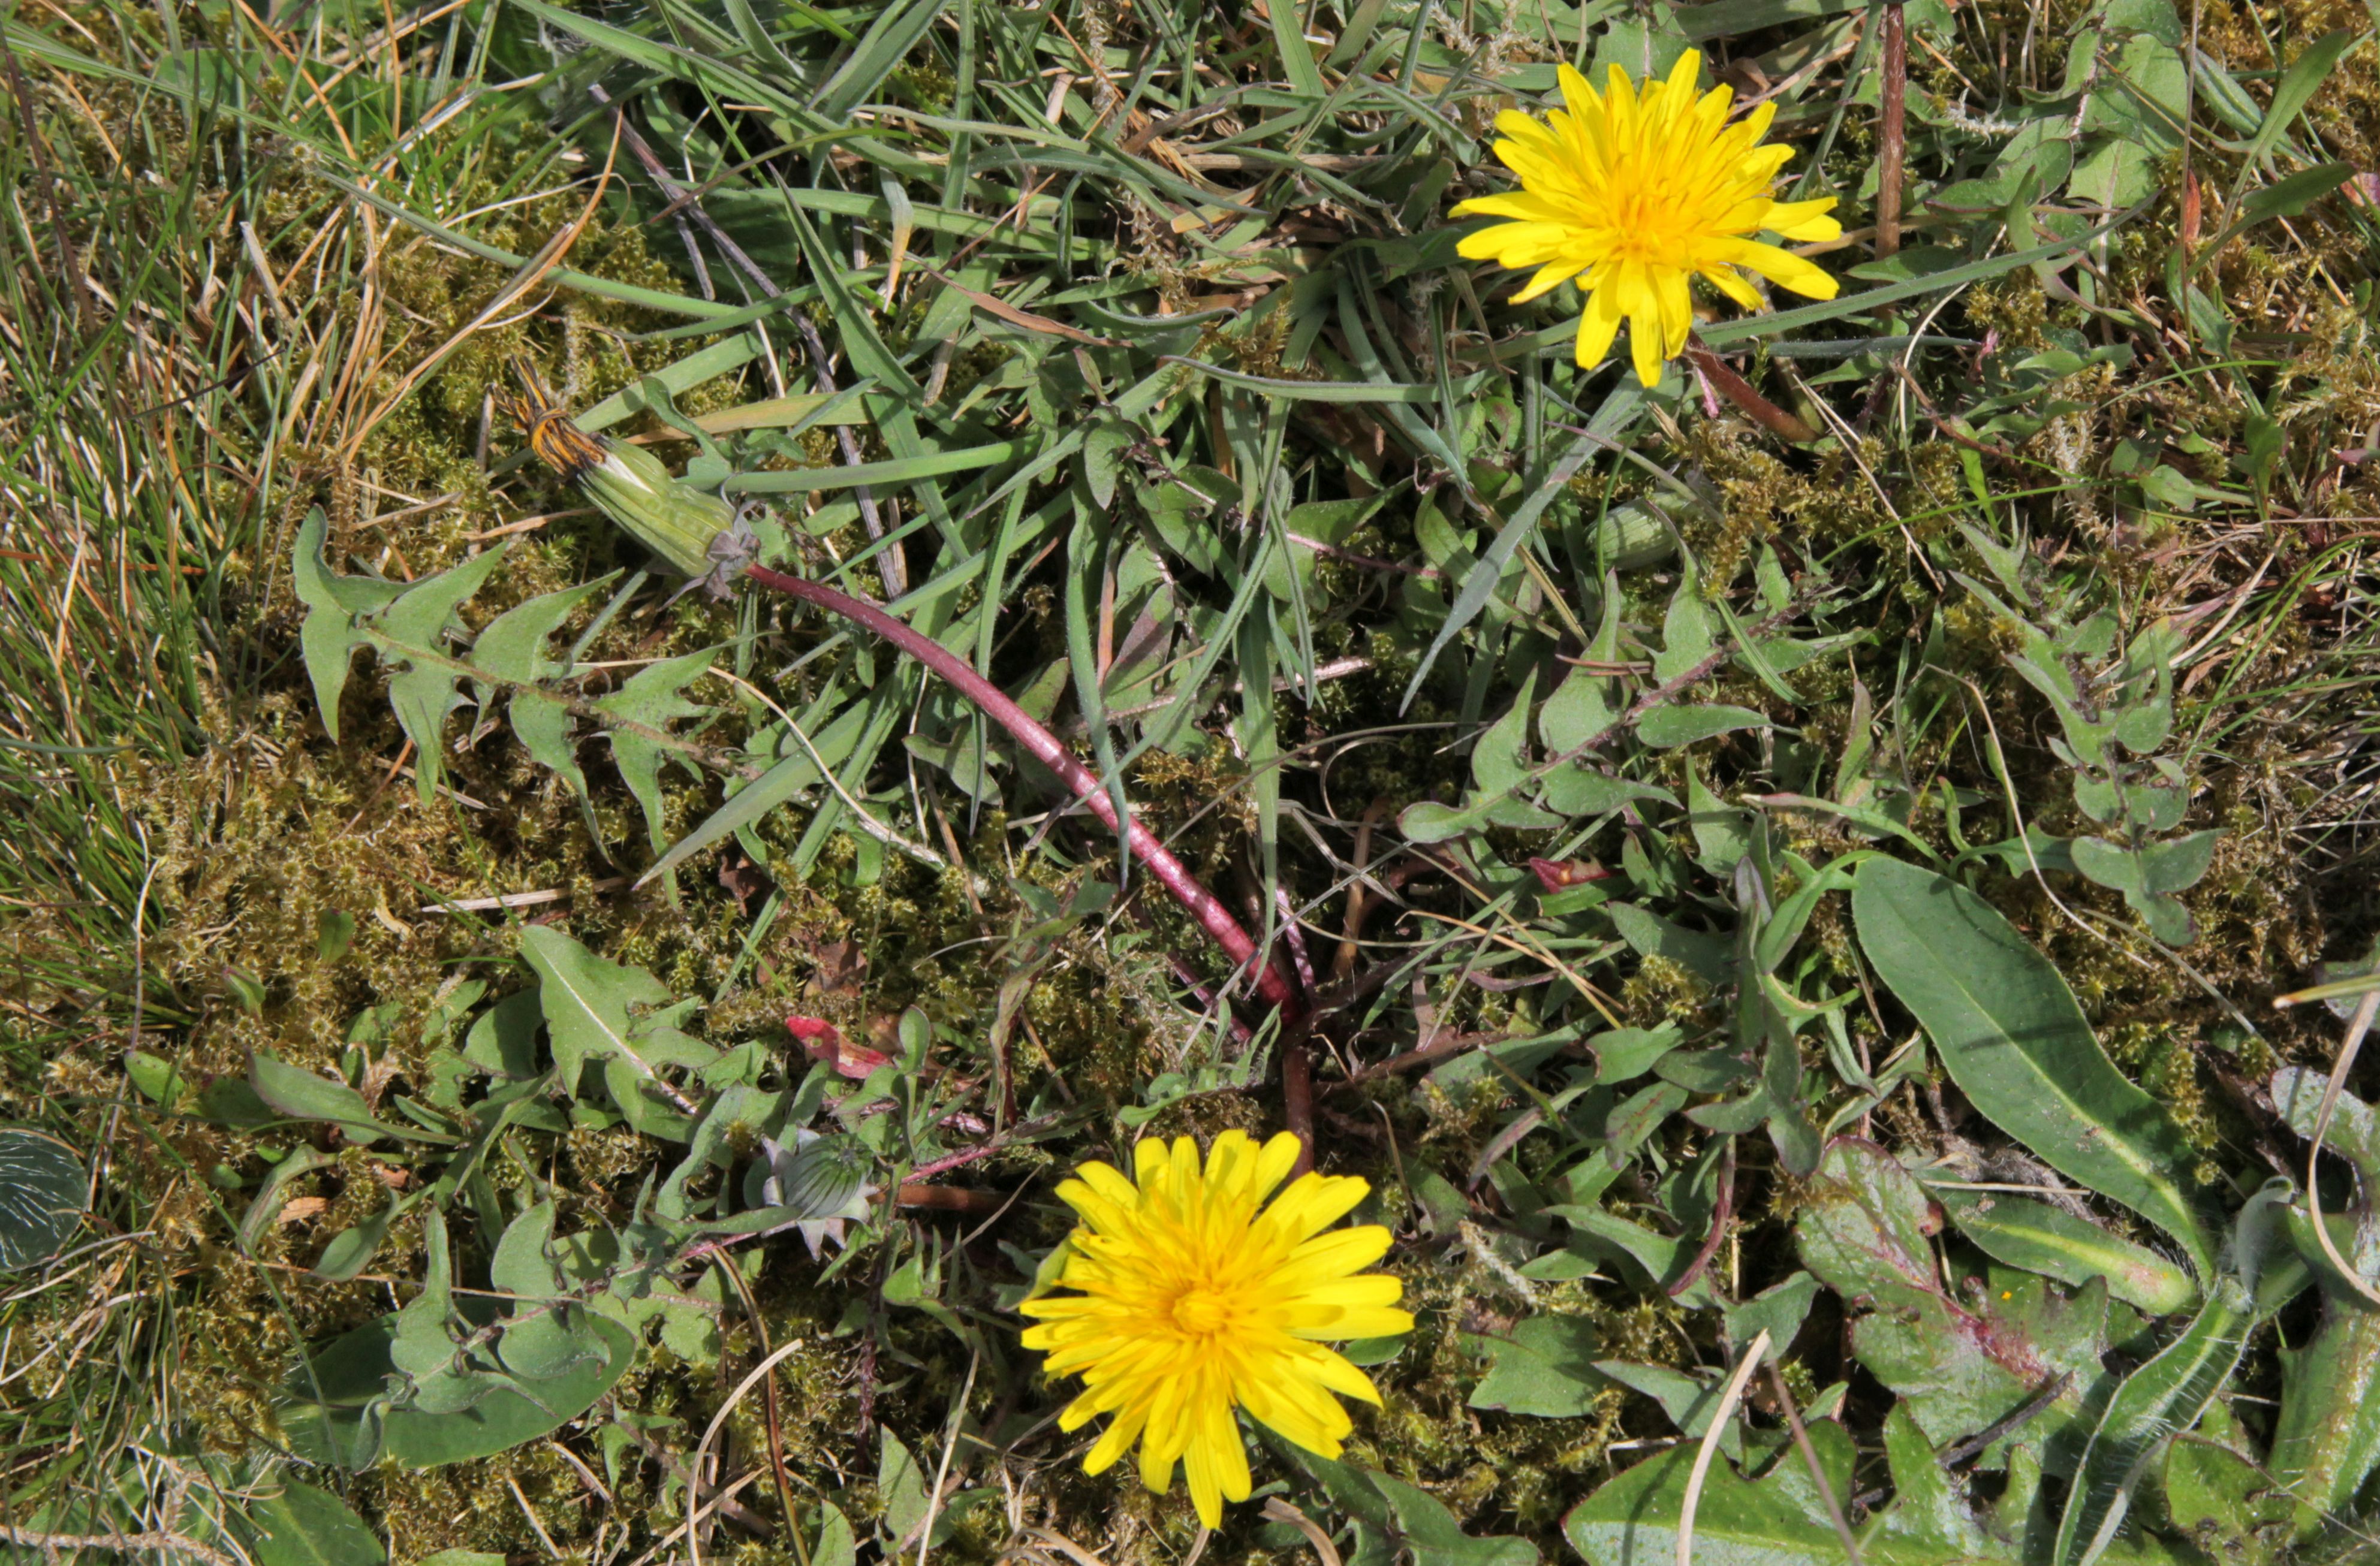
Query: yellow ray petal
1518	127
1109	1183
1597	324
1518	204
1339	1375
1804	220
1346	1293
1728	280
1515	244
1330	1255
1551	275
1362	1321
1115	1442
1206	1491
1784	269
1314	1202
1280	1155
1677	312
1148	1162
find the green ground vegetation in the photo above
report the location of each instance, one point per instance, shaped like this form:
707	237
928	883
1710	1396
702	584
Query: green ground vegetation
1833	888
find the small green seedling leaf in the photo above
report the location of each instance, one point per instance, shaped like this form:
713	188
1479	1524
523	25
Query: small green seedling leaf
1545	1366
333	933
302	1095
306	1526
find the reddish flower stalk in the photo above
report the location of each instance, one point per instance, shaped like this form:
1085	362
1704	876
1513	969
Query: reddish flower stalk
1893	133
1739	391
1274	986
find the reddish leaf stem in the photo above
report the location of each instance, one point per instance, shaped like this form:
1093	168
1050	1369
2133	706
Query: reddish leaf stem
1721	1210
1297	1097
1739	391
1274	986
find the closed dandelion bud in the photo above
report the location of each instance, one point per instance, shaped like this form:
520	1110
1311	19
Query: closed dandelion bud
1633	538
823	1175
676	521
821	1179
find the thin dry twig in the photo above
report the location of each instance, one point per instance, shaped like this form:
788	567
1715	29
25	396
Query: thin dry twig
113	1544
521	899
769	1410
711	1433
2349	1047
942	1475
1709	1448
1818	1470
1278	1511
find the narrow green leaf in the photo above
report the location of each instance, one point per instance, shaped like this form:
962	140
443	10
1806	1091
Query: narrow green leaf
2297	85
1675	724
2011	1035
1618	409
2160	1399
2286	198
1342	391
679	377
1288	18
1083	558
351	1250
899	470
798	770
301	1095
879	51
670	60
2040	1238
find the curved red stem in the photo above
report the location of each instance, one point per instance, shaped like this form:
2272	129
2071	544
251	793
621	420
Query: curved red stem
1274	986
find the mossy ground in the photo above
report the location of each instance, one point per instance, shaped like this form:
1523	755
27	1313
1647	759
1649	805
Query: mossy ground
230	832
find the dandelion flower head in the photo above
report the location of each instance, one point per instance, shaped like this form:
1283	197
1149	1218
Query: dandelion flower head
1630	194
1194	1299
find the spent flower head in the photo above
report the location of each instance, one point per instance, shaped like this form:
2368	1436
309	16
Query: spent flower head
695	533
1196	1300
1630	194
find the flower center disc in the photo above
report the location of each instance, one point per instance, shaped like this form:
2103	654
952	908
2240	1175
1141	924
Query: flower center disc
1200	1311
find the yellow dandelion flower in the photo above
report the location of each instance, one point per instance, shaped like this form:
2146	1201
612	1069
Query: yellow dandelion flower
1194	1303
1629	195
